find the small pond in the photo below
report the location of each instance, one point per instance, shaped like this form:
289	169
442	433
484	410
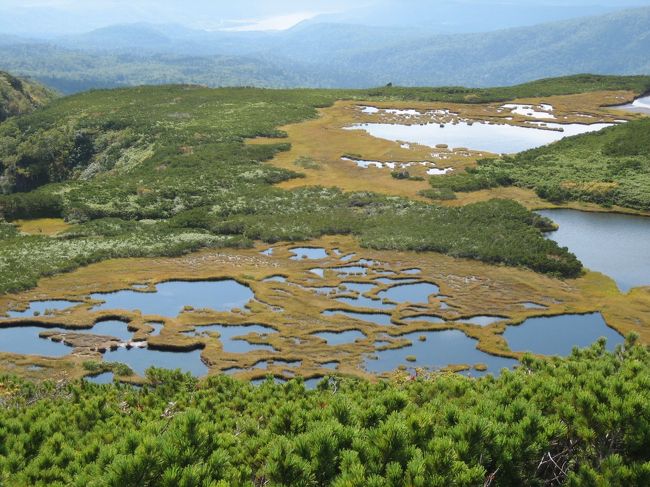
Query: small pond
616	245
440	349
264	380
171	297
330	365
311	384
140	359
480	136
377	318
157	328
342	338
410	293
314	253
558	335
103	378
413	271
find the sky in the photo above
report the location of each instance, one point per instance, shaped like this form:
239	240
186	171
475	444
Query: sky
57	17
84	15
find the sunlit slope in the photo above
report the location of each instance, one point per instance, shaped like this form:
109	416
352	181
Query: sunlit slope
19	96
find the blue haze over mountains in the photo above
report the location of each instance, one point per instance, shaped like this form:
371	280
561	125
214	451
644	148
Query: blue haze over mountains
411	42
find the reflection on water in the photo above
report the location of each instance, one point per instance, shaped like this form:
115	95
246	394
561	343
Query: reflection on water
439	349
640	105
171	297
411	293
558	335
480	136
104	378
314	253
25	340
140	359
614	244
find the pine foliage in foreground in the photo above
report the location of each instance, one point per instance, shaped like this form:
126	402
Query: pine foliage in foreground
583	420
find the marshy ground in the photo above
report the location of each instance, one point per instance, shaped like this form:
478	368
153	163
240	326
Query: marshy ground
324	305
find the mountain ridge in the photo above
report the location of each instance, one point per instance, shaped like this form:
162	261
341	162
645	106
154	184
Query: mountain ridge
334	55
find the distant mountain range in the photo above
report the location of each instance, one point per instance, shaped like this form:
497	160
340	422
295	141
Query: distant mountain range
333	55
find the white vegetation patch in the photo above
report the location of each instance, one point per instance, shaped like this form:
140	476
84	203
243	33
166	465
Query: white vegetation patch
533	111
398	165
33	256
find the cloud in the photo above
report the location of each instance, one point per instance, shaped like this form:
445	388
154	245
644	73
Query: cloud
277	22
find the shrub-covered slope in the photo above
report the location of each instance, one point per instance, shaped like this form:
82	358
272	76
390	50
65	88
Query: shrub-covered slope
163	170
584	420
609	167
19	96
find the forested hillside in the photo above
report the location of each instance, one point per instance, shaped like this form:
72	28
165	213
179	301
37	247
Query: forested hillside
333	55
19	96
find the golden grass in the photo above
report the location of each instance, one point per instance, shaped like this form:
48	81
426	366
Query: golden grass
325	141
42	226
470	288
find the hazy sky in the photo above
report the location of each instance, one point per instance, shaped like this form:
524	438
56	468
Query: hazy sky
207	14
43	17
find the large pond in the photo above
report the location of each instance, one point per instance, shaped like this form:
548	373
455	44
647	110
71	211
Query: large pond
495	138
438	350
171	297
614	244
558	335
